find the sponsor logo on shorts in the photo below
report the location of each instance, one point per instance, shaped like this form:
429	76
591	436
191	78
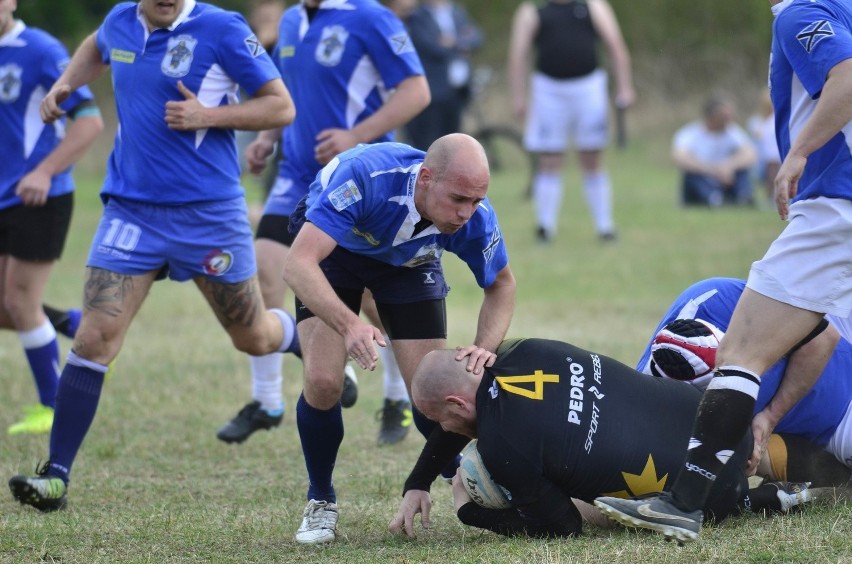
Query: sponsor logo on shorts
218	262
690	467
428	278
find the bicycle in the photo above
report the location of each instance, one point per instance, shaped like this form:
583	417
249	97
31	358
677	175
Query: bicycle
503	143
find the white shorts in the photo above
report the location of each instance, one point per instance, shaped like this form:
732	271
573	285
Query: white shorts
840	444
809	265
564	113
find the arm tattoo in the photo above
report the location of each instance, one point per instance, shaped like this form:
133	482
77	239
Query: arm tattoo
106	291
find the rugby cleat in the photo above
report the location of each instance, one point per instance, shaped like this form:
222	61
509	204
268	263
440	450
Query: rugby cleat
319	523
396	419
251	418
37	419
350	387
43	491
655	512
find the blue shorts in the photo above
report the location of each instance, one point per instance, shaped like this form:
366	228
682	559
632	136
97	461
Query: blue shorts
290	187
389	284
210	239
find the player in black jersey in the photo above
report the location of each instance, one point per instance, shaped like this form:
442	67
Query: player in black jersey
556	422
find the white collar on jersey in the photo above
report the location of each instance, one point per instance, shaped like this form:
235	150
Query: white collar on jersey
11	38
188	6
776	9
332	4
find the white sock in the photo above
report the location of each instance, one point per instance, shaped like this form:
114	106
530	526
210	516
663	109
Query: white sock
266	380
289	325
599	198
547	197
394	384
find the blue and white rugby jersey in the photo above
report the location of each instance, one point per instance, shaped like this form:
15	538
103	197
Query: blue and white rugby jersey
817	415
340	68
364	199
809	38
30	62
213	52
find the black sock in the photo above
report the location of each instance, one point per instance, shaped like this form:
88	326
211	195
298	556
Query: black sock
59	318
723	417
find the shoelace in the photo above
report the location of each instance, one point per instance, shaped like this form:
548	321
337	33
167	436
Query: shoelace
318	515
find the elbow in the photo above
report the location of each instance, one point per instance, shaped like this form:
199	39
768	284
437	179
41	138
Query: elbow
285	115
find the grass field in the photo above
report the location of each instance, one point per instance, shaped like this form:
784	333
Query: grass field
152	483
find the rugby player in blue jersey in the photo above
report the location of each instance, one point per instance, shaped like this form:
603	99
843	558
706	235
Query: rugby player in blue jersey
173	201
36	196
379	217
805	273
355	77
821	414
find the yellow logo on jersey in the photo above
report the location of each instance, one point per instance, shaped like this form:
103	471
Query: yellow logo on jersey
368	236
286	51
539	379
119	56
641	484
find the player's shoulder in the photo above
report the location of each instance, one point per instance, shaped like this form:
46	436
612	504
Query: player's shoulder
385	156
208	14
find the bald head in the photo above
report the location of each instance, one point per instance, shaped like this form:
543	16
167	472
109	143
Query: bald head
458	156
452	182
445	392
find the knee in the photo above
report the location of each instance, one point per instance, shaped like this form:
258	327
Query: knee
322	390
95	343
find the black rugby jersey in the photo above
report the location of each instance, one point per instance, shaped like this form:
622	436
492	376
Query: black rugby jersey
555	421
566	42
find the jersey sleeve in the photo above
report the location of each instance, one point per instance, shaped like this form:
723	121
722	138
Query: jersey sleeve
481	246
814	40
391	48
54	60
340	201
242	56
513	522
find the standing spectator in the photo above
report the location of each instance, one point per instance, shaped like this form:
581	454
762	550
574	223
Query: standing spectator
715	156
568	100
173	201
355	77
805	273
380	216
36	197
444	37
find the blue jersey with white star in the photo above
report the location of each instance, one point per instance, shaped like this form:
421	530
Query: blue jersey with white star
817	415
30	62
340	68
809	38
213	52
364	199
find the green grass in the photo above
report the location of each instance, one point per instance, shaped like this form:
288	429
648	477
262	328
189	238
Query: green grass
152	483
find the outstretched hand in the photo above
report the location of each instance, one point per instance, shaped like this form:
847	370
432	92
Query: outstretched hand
413	502
187	114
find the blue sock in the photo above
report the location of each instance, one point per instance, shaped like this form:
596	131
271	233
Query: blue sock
74	316
76	404
321	433
42	352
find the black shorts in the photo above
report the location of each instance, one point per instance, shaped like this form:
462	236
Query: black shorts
36	233
276	228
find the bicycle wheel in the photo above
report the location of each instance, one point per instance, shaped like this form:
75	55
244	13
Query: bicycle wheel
506	155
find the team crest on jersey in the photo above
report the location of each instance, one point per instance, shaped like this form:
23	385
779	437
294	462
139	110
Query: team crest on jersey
10	82
218	262
178	57
344	196
331	45
814	33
